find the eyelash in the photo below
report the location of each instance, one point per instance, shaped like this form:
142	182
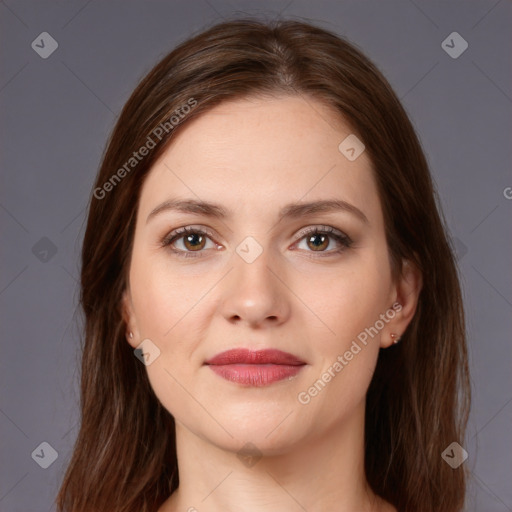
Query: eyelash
344	240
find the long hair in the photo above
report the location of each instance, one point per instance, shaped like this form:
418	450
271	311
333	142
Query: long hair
124	459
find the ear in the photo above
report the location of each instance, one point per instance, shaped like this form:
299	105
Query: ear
406	292
129	319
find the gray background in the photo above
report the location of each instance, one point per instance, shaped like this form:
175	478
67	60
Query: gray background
56	116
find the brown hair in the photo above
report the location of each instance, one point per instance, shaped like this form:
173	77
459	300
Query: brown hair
124	459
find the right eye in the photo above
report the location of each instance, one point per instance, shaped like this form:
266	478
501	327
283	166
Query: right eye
193	241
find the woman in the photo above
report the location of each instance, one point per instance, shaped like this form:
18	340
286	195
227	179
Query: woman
273	314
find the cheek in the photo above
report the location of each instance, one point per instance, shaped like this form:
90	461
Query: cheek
171	310
167	310
162	297
353	299
346	355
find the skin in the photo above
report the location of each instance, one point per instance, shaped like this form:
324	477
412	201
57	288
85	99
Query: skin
253	156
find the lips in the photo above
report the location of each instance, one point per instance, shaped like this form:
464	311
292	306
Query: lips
255	368
246	356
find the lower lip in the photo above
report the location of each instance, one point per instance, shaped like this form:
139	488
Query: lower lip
255	374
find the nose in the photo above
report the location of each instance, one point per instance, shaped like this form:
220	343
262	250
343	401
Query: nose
256	293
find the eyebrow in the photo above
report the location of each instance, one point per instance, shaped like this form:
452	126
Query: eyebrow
289	211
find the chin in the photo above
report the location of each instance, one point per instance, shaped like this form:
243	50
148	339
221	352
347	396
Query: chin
270	434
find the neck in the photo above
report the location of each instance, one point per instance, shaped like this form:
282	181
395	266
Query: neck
319	473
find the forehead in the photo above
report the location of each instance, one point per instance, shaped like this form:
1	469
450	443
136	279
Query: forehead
256	151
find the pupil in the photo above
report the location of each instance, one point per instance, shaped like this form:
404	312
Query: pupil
320	238
192	239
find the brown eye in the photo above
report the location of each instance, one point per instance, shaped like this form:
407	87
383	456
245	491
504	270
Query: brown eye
187	241
319	239
194	241
318	242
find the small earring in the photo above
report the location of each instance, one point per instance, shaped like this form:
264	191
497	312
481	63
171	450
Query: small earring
130	335
395	337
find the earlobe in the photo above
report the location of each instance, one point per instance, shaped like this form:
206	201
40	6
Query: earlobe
407	292
129	319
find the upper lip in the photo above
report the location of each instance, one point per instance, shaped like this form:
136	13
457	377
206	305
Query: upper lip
247	356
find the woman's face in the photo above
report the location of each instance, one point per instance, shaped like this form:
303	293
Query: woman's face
257	278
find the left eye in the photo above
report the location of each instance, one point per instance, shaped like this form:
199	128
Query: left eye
318	240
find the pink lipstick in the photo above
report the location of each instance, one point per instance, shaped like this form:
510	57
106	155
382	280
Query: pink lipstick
255	368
